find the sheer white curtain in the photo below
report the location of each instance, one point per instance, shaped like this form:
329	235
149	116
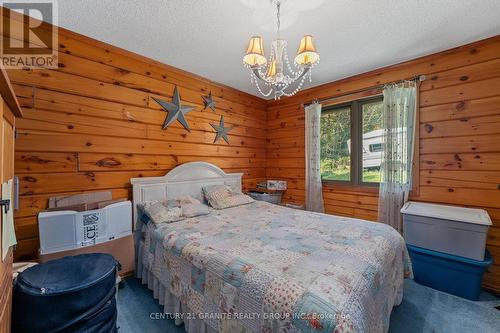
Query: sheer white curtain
400	102
314	188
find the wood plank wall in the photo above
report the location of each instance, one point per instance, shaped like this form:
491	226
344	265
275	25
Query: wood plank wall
459	136
92	125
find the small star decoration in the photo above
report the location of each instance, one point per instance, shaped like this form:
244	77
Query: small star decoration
175	110
208	102
221	131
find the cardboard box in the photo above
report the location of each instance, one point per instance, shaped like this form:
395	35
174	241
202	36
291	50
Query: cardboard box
277	185
68	229
76	199
106	203
122	249
88	223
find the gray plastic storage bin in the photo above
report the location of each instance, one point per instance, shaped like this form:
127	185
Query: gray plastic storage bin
454	230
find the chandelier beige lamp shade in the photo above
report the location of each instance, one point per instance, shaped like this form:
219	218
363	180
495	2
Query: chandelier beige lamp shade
254	56
306	54
277	75
271	69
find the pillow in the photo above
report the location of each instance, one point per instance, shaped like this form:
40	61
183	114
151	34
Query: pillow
194	209
187	199
162	211
224	196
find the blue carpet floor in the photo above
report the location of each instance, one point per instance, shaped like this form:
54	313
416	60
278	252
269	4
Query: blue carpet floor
423	310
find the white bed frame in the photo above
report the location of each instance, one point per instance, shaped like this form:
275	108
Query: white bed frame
186	179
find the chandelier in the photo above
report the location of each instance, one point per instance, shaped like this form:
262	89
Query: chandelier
271	72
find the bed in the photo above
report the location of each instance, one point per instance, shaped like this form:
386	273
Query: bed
266	268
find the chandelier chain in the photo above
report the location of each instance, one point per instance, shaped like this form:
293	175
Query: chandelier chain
278	7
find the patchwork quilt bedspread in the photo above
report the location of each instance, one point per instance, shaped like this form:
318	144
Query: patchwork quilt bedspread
266	268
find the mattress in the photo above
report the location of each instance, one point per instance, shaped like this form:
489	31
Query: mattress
266	268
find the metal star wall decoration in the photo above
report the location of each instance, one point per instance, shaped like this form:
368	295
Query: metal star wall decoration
175	110
221	130
208	102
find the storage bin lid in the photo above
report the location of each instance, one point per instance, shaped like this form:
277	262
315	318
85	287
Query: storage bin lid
452	258
453	213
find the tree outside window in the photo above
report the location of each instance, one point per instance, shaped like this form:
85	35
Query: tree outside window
351	142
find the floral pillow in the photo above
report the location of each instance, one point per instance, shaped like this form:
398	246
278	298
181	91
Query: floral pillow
193	209
187	199
224	196
162	211
172	210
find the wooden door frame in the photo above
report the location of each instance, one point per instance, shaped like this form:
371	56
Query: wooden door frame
9	111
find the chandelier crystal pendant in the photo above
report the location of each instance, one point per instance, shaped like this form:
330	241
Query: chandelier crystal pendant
271	72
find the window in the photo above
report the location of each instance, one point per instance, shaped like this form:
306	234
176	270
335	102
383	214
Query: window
336	144
375	147
351	142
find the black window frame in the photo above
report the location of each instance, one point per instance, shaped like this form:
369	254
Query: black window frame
356	167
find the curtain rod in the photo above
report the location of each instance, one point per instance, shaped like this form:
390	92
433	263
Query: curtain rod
417	78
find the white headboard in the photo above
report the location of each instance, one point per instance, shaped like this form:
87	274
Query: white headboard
186	179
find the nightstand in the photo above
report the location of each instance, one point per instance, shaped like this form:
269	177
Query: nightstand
271	196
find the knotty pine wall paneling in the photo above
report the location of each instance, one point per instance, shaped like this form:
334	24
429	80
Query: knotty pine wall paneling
459	129
92	125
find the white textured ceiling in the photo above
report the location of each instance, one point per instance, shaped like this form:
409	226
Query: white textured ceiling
208	37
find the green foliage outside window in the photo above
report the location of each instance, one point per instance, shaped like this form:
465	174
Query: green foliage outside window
335	138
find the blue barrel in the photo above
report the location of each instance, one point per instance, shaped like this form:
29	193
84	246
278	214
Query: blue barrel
71	294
